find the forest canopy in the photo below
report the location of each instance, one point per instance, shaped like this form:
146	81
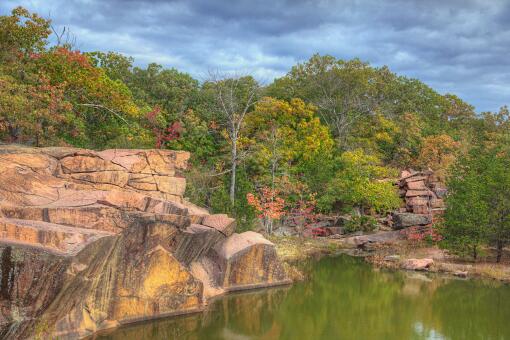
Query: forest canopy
329	134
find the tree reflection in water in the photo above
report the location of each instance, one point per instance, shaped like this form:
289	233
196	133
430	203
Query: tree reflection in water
346	299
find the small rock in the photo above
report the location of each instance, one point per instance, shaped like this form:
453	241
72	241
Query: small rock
441	192
461	274
392	258
285	231
335	230
417	264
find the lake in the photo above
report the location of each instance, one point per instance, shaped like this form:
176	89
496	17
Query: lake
345	298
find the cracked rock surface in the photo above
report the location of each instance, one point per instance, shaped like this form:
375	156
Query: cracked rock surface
91	240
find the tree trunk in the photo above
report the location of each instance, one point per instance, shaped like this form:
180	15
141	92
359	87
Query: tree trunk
475	253
14	133
499	248
273	174
233	172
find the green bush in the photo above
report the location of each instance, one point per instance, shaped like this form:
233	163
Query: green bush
361	223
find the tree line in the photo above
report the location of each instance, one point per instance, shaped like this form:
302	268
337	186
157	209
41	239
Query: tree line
328	136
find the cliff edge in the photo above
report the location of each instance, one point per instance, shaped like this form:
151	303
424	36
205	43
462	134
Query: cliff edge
91	240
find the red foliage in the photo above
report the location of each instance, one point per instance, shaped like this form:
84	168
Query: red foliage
171	132
319	232
304	211
151	115
267	203
73	56
420	234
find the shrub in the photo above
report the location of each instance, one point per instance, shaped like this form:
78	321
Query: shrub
361	223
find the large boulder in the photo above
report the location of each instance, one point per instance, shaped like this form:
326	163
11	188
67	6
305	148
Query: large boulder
402	220
245	260
92	240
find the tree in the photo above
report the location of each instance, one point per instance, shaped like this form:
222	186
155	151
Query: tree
498	185
116	65
478	205
286	135
104	107
344	91
22	34
466	218
361	183
172	90
234	98
438	153
33	114
268	205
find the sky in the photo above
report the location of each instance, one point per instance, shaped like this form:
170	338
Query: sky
455	46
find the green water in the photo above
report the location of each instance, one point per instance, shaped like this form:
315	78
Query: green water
346	299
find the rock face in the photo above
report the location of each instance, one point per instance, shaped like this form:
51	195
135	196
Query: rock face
90	240
423	194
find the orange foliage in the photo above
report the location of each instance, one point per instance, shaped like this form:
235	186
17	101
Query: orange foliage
438	153
267	203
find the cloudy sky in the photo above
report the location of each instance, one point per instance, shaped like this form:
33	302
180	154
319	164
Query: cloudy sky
457	46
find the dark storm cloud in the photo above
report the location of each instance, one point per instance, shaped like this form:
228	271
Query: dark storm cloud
459	46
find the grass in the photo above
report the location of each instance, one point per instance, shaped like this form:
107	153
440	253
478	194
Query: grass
292	249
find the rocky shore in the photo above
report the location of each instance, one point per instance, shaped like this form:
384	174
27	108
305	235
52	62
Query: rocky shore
386	249
422	195
93	240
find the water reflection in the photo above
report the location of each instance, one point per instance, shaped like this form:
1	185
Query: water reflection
346	299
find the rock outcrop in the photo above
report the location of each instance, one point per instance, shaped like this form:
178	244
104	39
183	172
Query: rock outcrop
423	194
90	240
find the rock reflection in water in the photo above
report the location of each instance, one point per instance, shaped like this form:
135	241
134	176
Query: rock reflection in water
240	316
346	299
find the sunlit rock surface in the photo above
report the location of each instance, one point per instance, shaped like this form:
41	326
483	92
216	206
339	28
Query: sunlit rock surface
90	240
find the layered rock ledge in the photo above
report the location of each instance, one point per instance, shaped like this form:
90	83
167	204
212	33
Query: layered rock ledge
91	240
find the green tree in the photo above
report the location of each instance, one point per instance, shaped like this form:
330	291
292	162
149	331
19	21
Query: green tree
285	138
344	91
362	182
22	33
478	205
116	65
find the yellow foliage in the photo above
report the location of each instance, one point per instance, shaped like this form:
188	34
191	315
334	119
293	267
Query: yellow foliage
438	153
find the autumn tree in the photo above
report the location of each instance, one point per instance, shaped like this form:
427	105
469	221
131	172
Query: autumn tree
438	153
32	109
35	114
268	205
234	99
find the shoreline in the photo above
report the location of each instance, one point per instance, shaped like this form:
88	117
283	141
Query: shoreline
294	251
391	255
